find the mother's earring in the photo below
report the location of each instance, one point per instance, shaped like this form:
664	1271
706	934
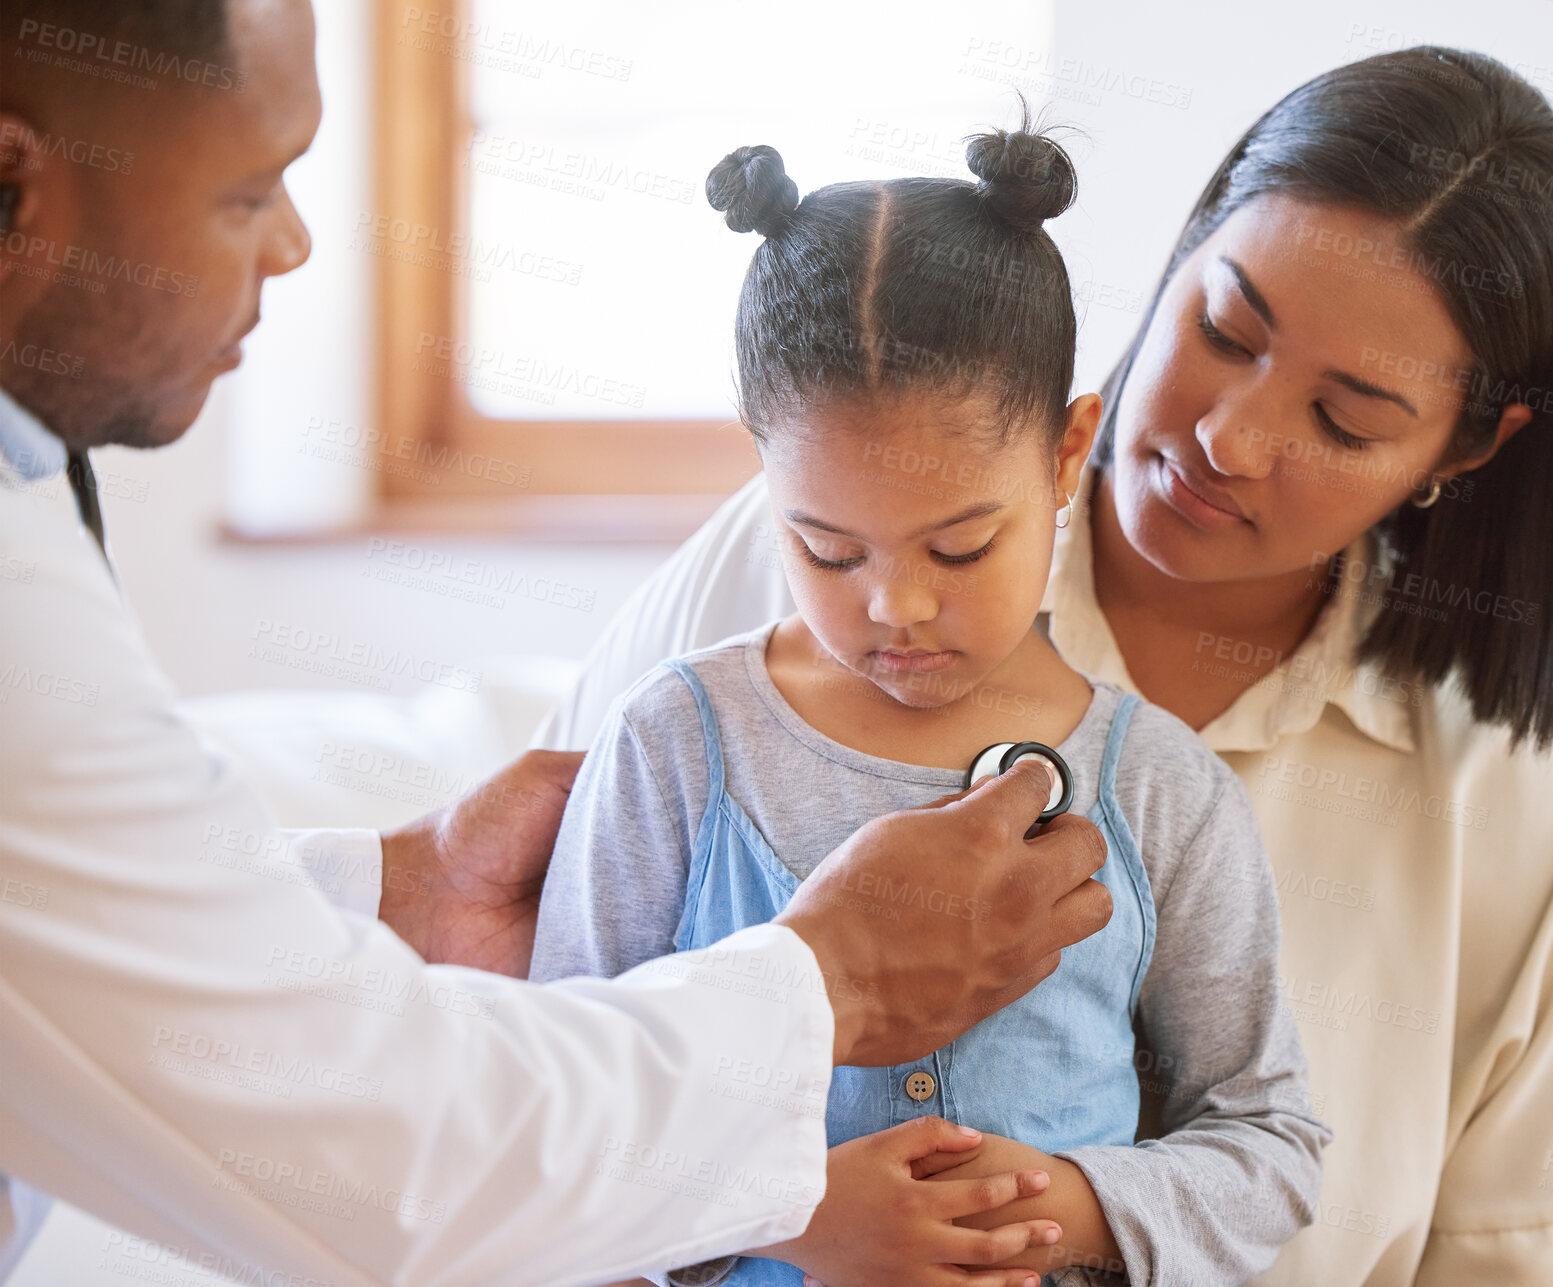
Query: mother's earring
1065	514
1434	495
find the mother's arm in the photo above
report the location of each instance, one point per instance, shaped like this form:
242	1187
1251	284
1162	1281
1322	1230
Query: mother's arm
726	579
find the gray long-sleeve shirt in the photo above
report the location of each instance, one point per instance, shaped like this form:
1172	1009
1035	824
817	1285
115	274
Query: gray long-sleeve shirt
1235	1171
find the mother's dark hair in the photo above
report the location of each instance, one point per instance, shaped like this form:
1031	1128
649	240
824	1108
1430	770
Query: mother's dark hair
1458	151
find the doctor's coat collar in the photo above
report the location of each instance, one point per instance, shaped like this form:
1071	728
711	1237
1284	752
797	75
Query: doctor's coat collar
28	448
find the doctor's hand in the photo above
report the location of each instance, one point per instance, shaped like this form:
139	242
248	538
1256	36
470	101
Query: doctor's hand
879	1225
926	921
461	885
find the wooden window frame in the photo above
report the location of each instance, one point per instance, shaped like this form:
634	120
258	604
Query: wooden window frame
578	479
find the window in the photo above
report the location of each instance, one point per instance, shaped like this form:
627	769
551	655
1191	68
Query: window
556	298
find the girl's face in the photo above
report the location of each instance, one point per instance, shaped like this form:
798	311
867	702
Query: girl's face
917	552
1299	380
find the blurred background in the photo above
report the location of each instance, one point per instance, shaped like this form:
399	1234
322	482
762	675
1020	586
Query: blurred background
501	390
594	127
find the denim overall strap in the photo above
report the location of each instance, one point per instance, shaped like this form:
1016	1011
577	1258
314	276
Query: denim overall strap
1125	851
734	878
702	849
709	734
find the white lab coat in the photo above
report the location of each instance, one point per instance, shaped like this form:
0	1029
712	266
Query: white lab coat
207	1038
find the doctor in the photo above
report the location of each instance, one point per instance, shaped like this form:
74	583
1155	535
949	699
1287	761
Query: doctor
209	1034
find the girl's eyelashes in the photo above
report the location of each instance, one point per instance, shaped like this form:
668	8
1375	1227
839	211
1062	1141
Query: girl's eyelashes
967	558
1218	339
1338	435
839	565
842	565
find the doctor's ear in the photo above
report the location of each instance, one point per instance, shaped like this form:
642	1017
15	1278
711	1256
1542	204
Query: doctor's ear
22	160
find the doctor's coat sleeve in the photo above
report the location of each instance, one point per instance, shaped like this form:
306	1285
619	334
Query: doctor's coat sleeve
198	1046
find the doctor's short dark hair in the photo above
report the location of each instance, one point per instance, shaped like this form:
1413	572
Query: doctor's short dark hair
1457	150
177	28
867	291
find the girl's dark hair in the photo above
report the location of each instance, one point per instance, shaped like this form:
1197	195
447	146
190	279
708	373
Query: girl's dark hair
1457	150
866	290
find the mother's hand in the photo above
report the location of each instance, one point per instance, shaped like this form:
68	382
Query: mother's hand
462	885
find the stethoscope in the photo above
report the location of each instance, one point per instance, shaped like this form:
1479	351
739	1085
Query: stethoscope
1002	756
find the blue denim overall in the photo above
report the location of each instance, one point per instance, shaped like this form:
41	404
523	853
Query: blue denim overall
1054	1069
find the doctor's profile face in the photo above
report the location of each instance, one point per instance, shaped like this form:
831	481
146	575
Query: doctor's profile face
1300	379
140	252
916	548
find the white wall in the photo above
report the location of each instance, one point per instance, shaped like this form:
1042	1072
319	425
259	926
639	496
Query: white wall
1143	163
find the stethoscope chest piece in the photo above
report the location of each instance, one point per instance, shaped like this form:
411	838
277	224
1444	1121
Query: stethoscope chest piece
1002	756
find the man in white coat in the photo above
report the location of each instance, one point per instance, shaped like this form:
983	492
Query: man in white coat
228	1038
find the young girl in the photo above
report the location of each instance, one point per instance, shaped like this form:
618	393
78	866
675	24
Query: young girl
905	352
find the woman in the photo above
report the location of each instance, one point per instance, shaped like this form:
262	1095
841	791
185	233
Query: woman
1314	529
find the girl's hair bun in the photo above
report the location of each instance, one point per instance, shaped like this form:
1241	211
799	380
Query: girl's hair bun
751	184
1026	178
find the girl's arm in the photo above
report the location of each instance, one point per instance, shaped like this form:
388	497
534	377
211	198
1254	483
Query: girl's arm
615	888
1070	1202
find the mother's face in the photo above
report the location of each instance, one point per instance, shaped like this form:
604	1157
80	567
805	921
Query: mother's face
1299	380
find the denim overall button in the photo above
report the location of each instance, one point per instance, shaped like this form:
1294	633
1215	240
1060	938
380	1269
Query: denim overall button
920	1085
